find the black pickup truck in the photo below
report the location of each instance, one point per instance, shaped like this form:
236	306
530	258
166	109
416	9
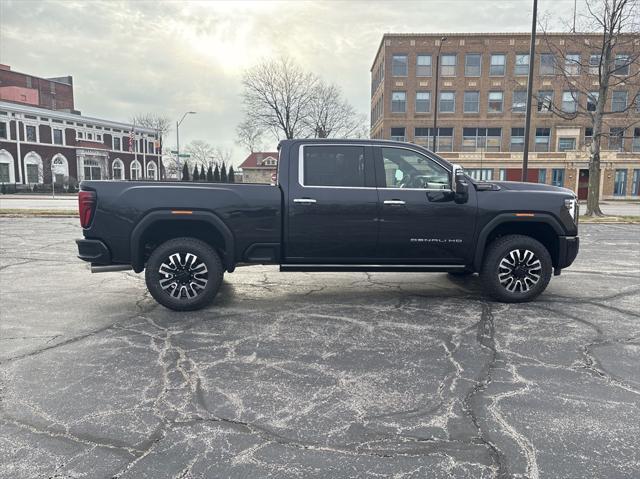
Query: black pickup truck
337	205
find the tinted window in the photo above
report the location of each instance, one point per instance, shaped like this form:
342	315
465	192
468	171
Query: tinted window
408	169
333	166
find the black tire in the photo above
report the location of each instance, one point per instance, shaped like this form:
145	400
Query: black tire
526	279
179	282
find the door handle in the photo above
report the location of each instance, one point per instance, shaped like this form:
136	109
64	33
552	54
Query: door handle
304	201
394	202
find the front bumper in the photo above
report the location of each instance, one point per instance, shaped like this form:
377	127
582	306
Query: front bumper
568	247
93	251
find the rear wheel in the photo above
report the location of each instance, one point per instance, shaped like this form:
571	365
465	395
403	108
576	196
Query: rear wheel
184	274
516	269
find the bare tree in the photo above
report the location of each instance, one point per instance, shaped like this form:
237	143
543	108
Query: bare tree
161	125
615	66
201	152
249	135
276	97
330	115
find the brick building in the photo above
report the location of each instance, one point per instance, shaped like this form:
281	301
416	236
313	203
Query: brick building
259	166
482	101
50	93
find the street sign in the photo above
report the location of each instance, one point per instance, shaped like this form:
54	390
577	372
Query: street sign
184	155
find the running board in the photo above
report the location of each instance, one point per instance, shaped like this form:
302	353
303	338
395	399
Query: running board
110	268
400	268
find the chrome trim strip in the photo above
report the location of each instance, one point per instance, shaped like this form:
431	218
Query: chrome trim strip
305	201
313	265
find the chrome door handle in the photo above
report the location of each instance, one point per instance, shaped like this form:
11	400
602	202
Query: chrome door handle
304	201
394	202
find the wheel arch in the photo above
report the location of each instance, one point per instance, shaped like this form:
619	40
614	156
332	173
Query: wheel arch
161	225
542	227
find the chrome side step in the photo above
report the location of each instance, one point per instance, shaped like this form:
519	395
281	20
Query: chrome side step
372	267
110	268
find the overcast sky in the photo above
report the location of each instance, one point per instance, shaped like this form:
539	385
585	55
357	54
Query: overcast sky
170	57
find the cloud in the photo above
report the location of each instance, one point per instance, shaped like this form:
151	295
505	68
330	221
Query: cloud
170	57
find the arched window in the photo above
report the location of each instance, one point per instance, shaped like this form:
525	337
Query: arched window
118	169
7	169
33	165
152	170
136	170
59	168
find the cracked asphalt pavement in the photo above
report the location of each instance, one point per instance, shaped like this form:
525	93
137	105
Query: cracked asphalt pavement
316	375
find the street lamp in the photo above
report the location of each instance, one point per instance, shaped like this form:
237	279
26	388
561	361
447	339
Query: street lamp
178	123
437	100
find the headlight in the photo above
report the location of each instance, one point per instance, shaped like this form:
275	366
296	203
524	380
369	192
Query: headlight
571	204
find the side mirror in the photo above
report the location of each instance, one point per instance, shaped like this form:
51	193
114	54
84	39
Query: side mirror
459	185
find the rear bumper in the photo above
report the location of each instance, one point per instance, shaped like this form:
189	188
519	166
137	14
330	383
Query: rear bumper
568	247
93	251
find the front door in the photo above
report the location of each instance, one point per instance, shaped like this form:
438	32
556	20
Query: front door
583	184
332	205
419	219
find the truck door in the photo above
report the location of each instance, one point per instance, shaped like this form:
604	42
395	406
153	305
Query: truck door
419	219
332	205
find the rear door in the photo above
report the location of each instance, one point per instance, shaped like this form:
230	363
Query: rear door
419	220
332	204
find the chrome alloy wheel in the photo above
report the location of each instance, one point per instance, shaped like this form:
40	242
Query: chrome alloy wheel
519	270
183	275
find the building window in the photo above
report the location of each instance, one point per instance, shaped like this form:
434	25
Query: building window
5	176
398	102
445	139
566	144
619	100
488	139
635	146
57	136
545	100
495	102
502	174
79	135
152	171
547	64
118	170
397	133
447	102
592	100
399	65
480	174
98	136
572	64
423	65
517	139
519	101
4	131
621	64
424	136
31	133
150	147
542	175
635	183
423	102
594	64
472	64
92	169
557	177
522	64
136	170
89	136
33	173
117	143
542	139
569	101
498	62
471	102
588	136
448	65
616	138
620	183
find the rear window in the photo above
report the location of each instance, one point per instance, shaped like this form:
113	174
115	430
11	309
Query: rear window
333	166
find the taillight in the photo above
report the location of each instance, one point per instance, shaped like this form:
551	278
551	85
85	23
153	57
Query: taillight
86	207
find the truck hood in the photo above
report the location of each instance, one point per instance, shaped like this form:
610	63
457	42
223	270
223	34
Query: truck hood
519	186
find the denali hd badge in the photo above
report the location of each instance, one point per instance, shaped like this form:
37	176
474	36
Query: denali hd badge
436	240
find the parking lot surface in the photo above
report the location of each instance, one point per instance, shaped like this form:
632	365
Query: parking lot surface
316	375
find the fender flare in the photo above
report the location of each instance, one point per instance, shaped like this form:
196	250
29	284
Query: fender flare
510	218
228	255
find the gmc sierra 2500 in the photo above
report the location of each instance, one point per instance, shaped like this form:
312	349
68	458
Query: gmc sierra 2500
338	205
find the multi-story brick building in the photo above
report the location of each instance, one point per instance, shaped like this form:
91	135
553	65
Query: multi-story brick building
51	93
41	145
482	86
259	167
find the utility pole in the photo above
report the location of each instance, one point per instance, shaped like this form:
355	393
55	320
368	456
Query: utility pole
527	123
436	100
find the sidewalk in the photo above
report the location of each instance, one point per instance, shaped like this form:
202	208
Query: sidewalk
38	202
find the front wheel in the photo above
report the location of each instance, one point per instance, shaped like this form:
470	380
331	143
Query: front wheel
516	269
184	274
